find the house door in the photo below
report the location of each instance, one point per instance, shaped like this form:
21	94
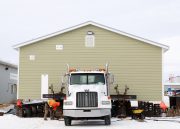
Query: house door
44	84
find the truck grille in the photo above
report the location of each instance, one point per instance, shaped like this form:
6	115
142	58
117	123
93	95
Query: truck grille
86	99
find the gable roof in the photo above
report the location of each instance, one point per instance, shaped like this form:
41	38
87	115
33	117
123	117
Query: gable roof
164	47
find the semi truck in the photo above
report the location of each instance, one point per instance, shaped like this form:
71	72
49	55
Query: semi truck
87	95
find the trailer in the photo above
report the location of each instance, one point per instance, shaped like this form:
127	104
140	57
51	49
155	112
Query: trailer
29	108
35	108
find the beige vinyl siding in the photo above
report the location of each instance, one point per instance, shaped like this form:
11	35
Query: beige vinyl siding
135	64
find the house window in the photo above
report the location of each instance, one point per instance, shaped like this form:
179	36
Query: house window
13	76
90	39
13	88
31	57
59	47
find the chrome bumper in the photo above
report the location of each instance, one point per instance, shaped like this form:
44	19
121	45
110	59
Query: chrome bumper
86	112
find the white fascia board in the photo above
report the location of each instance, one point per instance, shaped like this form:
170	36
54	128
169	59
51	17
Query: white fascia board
9	64
162	75
164	47
50	35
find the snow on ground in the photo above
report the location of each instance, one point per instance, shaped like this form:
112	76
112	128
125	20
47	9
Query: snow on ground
9	121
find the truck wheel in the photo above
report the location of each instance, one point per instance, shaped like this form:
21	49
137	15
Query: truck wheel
67	121
107	120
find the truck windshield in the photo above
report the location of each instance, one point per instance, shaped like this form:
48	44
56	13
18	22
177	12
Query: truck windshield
87	78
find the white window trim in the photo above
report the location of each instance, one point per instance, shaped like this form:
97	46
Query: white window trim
44	84
32	57
59	47
87	44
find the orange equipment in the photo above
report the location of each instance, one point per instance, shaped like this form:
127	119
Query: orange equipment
163	106
19	103
72	70
53	104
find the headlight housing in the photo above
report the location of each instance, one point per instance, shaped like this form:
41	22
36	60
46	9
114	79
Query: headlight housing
68	103
106	102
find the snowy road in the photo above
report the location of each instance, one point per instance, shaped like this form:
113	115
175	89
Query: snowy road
14	122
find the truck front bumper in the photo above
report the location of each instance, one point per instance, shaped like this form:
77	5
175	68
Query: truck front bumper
86	112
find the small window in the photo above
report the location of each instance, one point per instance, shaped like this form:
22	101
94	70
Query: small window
31	57
13	88
89	41
59	47
13	76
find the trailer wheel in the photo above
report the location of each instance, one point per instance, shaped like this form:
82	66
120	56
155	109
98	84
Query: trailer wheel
58	113
135	116
107	120
34	111
17	111
132	116
67	121
21	112
28	112
142	116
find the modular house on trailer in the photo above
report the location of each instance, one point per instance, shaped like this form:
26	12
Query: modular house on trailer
8	82
134	61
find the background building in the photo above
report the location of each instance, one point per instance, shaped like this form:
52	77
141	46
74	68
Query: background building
172	91
8	82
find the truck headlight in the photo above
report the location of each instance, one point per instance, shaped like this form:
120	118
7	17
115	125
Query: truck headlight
105	102
68	103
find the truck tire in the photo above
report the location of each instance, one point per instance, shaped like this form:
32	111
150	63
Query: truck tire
67	121
107	120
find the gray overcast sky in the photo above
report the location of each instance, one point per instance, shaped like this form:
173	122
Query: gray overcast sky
157	20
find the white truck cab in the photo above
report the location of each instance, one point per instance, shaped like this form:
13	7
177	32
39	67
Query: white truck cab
87	96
